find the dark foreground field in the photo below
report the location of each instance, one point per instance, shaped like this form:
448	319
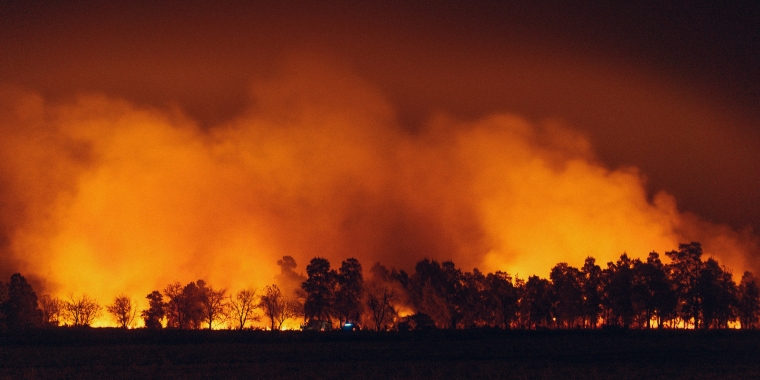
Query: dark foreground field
108	353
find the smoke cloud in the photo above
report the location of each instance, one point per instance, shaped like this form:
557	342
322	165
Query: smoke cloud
102	196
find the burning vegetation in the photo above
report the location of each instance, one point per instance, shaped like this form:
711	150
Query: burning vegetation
688	292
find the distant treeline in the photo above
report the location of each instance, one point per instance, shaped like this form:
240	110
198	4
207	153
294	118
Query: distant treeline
629	293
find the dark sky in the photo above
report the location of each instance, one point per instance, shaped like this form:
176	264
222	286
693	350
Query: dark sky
671	88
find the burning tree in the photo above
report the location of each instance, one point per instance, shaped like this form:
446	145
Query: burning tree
123	310
81	311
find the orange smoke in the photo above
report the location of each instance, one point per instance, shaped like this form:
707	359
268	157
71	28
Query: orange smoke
104	197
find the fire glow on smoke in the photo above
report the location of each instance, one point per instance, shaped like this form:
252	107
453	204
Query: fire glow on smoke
105	197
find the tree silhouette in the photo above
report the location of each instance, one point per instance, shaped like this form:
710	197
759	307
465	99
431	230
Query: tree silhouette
243	307
289	310
19	309
271	303
381	301
176	313
684	270
278	308
653	293
123	310
717	293
630	293
320	290
437	290
619	291
184	310
348	297
81	311
748	303
536	303
156	310
568	294
502	298
592	288
52	309
214	305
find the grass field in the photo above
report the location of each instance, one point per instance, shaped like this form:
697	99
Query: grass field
484	354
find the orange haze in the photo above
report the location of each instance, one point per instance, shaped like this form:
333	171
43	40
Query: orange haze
102	196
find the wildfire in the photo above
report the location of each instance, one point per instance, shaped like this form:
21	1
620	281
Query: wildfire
119	198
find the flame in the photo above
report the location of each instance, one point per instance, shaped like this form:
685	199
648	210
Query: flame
120	198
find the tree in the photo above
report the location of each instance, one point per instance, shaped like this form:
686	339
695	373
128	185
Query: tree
185	309
214	305
437	290
348	297
568	294
536	303
654	294
123	310
320	290
502	297
619	291
717	293
684	269
52	309
242	307
381	300
278	308
156	310
748	303
289	309
473	301
19	309
592	288
271	302
81	311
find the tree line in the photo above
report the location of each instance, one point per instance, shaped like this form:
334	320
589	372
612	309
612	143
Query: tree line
687	292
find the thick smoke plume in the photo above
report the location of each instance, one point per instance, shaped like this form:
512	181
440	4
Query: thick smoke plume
104	197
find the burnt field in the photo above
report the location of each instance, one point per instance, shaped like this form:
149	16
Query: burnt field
488	354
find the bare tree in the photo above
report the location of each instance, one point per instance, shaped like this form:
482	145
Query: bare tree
242	307
270	303
288	309
381	300
123	310
174	311
81	311
214	303
52	309
277	308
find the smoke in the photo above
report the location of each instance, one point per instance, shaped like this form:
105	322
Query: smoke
104	197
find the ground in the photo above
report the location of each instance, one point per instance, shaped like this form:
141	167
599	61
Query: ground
482	354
